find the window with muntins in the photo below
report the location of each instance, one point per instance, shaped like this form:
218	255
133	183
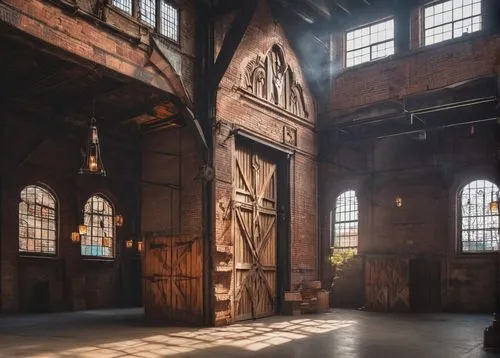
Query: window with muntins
37	221
478	226
169	21
147	12
166	22
370	42
345	222
451	19
100	221
124	5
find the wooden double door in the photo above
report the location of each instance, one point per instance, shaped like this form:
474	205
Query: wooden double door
255	232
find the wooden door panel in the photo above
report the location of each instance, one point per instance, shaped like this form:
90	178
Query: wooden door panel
387	286
254	219
172	270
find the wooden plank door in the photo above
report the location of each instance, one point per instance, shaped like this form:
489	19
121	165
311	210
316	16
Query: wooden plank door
172	269
255	209
387	284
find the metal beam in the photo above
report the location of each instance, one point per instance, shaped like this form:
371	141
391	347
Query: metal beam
231	41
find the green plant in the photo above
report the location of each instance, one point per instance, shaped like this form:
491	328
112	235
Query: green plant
339	258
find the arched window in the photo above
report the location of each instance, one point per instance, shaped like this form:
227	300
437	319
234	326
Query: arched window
99	219
345	222
477	225
37	221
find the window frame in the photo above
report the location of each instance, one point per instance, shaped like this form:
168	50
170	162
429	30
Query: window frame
334	222
113	225
459	217
132	4
453	38
39	254
135	14
369	25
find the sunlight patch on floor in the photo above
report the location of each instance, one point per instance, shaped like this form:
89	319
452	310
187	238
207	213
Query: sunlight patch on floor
252	337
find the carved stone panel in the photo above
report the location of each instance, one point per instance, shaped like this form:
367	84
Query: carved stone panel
290	135
271	78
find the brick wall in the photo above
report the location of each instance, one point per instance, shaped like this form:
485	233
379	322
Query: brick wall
409	72
84	39
73	281
427	175
237	109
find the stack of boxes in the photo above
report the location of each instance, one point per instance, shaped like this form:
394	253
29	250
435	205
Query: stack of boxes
308	298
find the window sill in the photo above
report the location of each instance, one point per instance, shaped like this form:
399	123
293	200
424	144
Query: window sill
98	259
33	256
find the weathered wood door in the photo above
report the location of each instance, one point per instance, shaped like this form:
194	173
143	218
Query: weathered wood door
387	284
255	209
172	268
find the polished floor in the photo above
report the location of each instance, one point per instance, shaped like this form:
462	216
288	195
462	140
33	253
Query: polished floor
340	333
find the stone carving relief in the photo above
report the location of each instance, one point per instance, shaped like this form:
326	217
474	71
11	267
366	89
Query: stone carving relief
272	79
290	135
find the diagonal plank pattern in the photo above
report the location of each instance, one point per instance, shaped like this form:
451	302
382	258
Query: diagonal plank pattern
172	279
255	209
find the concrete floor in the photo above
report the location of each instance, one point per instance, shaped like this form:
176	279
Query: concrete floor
341	333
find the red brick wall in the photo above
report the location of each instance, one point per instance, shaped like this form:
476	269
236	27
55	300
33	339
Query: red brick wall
427	175
125	52
74	282
236	110
422	69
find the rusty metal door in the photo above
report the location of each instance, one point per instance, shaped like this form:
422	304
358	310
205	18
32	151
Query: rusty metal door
172	267
255	209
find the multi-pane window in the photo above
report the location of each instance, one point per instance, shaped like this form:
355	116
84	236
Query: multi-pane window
124	5
451	19
169	21
37	221
345	222
147	12
370	43
99	219
478	226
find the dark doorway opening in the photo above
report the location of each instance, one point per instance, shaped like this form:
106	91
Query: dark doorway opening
425	285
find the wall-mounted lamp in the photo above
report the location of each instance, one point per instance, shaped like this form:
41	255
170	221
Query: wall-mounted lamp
119	220
75	237
398	202
82	229
140	246
129	244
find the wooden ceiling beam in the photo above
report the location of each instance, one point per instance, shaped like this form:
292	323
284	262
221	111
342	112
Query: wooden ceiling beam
231	41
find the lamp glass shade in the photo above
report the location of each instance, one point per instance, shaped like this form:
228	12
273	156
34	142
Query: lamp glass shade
140	246
119	220
129	244
75	236
82	229
398	202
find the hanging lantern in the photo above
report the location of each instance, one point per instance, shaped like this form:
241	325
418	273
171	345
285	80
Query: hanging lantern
119	220
82	229
75	237
129	244
140	246
398	202
92	163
